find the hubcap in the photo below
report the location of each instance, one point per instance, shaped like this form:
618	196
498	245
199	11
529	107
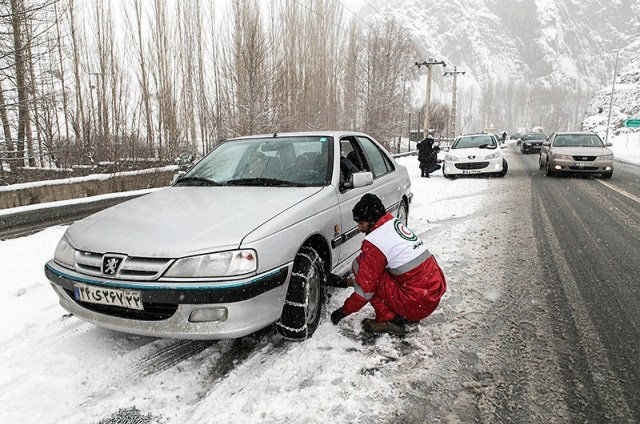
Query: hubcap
313	295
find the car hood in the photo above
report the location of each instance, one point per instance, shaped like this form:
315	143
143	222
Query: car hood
582	151
183	221
479	154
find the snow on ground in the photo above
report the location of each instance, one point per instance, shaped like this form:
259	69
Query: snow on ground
626	147
55	368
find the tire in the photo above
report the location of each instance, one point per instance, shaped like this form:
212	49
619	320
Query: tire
403	207
540	165
549	172
305	297
607	175
505	169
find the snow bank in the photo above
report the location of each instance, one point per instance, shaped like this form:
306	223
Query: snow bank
626	147
92	177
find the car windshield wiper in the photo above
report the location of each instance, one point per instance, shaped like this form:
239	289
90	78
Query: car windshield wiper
266	182
485	146
197	181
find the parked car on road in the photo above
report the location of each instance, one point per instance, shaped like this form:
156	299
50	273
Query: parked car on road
475	154
246	238
576	152
532	142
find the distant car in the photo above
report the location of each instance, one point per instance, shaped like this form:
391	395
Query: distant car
532	142
475	154
576	152
246	238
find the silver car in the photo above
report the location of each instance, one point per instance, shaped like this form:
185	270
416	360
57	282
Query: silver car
246	238
576	152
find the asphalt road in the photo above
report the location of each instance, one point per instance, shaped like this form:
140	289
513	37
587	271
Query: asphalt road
563	340
588	236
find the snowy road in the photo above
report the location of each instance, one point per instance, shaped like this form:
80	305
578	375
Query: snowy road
518	336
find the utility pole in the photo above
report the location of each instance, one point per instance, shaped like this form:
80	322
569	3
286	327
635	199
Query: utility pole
98	100
613	89
454	96
427	103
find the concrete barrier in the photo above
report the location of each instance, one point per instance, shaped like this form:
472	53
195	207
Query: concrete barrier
73	188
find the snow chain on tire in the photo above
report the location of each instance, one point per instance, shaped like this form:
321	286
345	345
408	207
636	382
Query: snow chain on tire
293	323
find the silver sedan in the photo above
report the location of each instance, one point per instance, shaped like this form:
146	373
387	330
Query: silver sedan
576	152
246	238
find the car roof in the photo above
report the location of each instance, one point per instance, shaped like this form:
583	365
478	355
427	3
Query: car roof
334	134
576	133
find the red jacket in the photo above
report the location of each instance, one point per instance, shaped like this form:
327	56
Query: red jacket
413	294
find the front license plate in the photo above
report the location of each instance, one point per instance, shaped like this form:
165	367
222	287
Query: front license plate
471	171
582	164
129	299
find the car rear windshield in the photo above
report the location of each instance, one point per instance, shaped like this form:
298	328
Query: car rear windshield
273	161
474	141
577	140
536	136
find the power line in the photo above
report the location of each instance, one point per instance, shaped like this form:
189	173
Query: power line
373	7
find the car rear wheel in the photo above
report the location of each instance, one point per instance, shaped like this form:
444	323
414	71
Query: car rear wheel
303	305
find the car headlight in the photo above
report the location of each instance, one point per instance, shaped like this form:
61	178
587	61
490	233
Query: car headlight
562	157
451	158
65	253
606	157
221	264
493	155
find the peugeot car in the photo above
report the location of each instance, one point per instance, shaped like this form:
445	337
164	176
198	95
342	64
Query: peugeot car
474	154
244	239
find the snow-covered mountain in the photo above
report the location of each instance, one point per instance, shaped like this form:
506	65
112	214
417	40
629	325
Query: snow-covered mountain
626	99
545	57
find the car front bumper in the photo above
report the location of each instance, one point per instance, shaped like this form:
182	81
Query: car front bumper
598	166
249	304
475	166
534	148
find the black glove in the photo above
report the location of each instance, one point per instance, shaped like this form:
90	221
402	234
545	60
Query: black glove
337	315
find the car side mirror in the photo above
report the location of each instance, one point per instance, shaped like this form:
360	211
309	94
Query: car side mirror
546	143
177	176
608	144
445	149
361	179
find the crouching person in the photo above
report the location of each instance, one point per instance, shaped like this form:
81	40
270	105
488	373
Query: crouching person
394	272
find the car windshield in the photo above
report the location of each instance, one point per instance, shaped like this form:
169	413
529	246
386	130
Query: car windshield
535	136
474	141
273	161
578	140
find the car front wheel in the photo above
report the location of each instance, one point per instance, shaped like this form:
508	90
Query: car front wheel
549	171
403	213
505	169
303	305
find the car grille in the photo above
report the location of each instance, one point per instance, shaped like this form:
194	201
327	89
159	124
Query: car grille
131	268
584	158
583	168
151	312
472	165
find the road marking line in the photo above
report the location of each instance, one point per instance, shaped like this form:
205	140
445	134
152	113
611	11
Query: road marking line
621	191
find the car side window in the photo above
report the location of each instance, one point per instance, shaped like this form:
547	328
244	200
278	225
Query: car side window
351	159
374	157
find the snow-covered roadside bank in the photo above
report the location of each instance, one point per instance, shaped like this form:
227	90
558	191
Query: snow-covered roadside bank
55	368
626	147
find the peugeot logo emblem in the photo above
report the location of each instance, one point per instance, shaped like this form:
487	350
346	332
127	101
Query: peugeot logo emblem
472	157
111	264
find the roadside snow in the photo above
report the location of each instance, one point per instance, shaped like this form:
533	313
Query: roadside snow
55	368
71	202
626	147
92	177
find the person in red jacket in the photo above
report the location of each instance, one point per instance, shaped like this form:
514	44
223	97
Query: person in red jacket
394	272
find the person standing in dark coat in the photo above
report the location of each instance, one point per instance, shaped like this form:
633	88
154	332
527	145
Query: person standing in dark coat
425	152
